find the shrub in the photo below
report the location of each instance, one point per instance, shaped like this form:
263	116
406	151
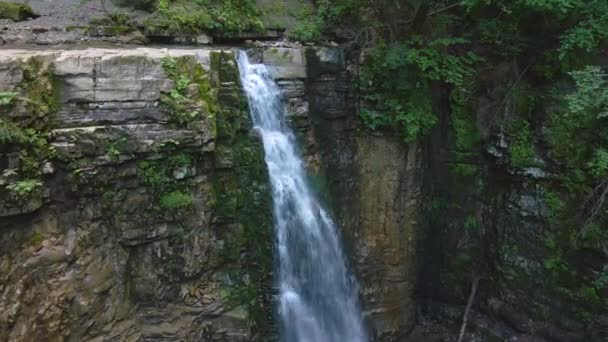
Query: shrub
25	188
16	12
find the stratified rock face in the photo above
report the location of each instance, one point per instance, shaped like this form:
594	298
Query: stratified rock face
134	235
150	230
385	243
372	182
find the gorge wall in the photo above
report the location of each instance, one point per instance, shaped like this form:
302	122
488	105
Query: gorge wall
469	149
489	218
135	203
146	213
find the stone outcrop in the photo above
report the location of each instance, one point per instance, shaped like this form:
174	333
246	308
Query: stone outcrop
134	237
151	230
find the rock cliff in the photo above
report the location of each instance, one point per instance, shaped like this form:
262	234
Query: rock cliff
142	228
151	226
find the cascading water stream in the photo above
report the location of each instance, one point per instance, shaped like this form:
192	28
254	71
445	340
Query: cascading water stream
317	296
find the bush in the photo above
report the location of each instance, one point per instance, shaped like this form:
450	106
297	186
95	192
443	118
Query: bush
16	12
192	17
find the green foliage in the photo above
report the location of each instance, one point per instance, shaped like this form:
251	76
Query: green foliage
114	148
422	59
553	202
580	24
599	163
308	27
25	188
433	60
466	136
154	174
373	119
313	22
181	17
396	80
191	17
590	30
171	192
27	135
241	202
36	239
578	134
471	223
15	11
521	148
578	137
238	16
335	11
601	281
7	97
192	96
591	92
176	200
504	35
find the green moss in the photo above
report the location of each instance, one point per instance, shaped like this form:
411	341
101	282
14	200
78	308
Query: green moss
176	200
192	98
152	173
115	148
466	137
521	149
7	98
242	196
36	239
16	12
169	192
24	189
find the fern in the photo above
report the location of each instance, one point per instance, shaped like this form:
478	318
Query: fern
11	133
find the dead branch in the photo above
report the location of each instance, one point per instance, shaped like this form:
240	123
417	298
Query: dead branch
468	308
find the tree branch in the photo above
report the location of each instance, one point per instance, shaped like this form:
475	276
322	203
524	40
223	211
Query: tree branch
468	308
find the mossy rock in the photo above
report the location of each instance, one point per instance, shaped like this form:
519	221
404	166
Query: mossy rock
16	12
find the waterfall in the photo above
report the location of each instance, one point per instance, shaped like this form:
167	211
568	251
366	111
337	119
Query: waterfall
317	295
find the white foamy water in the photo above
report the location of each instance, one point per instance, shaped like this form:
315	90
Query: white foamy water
317	295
